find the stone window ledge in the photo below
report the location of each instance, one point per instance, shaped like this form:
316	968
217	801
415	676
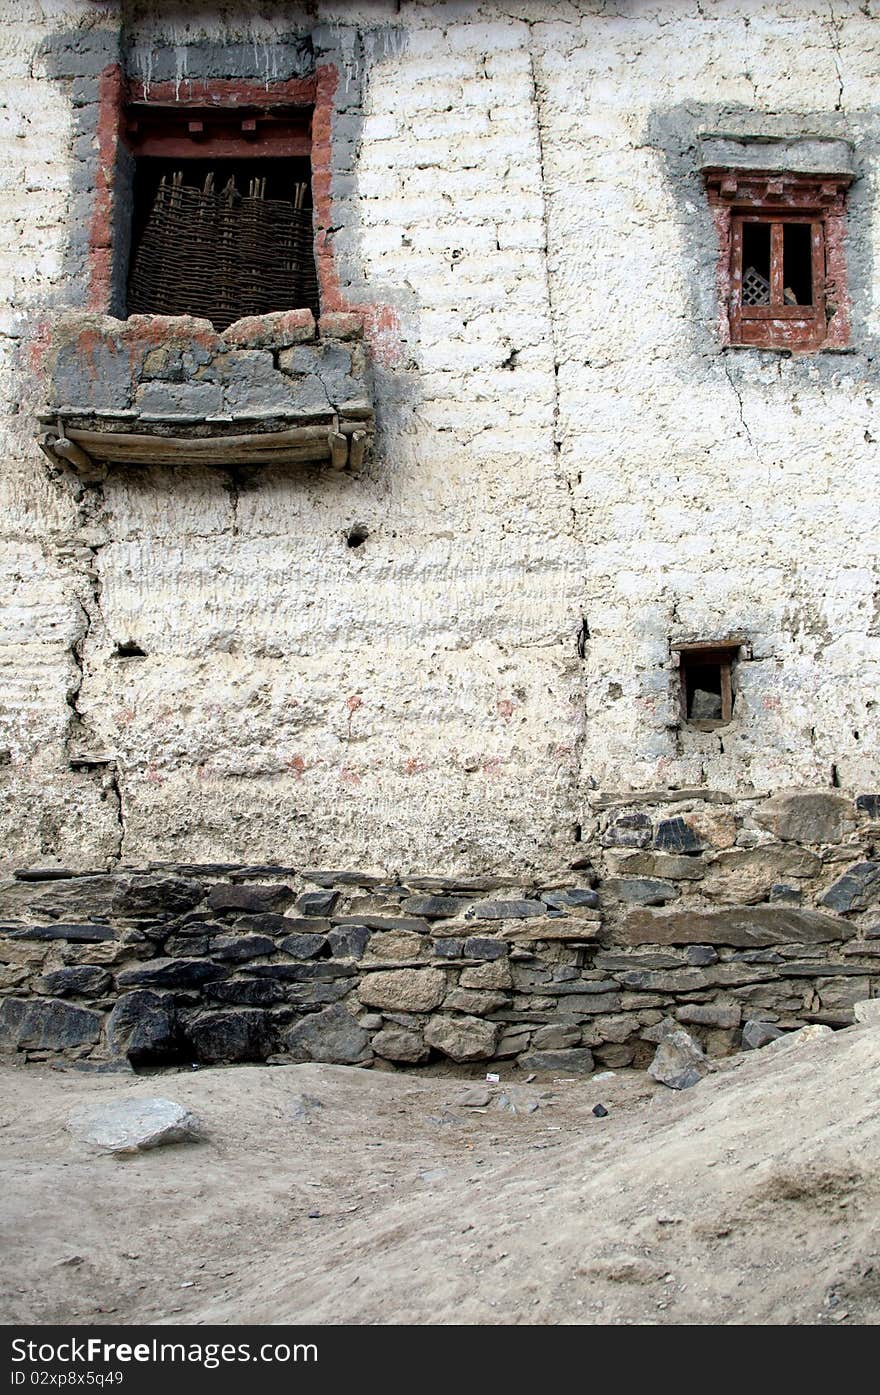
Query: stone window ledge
274	389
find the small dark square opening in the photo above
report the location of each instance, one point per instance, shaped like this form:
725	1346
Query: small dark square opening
706	674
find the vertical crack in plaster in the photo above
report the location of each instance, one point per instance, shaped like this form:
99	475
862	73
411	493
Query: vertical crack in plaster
834	25
739	403
77	736
575	751
232	489
548	278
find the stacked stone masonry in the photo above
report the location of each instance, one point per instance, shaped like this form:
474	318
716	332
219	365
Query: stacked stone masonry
695	907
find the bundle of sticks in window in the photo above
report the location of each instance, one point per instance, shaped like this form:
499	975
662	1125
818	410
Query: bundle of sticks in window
222	254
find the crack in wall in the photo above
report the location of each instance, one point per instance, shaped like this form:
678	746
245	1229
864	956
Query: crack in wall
79	742
574	752
833	25
739	402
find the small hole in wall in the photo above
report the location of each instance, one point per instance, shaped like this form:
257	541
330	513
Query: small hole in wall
578	833
582	636
706	678
835	778
129	650
357	535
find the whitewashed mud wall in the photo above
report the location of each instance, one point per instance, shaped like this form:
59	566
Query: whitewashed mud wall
561	440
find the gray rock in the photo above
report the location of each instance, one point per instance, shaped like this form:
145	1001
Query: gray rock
152	895
235	1035
76	900
462	1038
134	1125
316	902
505	910
349	942
249	897
81	980
791	895
577	1060
435	907
628	831
448	948
302	972
399	1044
303	946
859	885
678	1061
700	955
865	803
758	1034
143	1027
709	1015
237	949
740	926
555	1038
245	992
479	947
476	1097
705	706
318	994
570	897
332	1035
272	923
170	973
665	981
416	924
74	934
807	816
659	1031
676	836
642	891
46	1024
867	1010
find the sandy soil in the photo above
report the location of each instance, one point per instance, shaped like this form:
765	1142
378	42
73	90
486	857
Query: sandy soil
751	1198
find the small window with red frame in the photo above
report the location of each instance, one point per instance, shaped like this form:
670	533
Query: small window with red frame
782	269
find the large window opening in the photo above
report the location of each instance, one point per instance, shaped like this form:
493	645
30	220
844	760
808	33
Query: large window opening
222	216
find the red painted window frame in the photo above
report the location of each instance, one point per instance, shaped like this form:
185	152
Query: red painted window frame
737	197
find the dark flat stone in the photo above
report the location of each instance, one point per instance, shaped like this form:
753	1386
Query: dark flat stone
75	934
170	973
46	1024
383	922
674	835
252	899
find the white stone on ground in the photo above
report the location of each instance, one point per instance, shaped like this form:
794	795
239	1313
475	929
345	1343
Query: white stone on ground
130	1126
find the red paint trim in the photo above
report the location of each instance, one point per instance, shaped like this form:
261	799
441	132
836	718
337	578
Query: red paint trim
738	196
223	148
111	93
381	323
223	92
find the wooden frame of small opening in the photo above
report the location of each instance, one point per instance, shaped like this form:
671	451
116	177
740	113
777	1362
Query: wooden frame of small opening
782	272
706	669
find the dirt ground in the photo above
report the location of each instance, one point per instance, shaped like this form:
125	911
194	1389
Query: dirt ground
327	1194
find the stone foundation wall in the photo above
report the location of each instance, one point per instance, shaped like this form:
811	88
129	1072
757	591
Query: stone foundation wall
684	904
